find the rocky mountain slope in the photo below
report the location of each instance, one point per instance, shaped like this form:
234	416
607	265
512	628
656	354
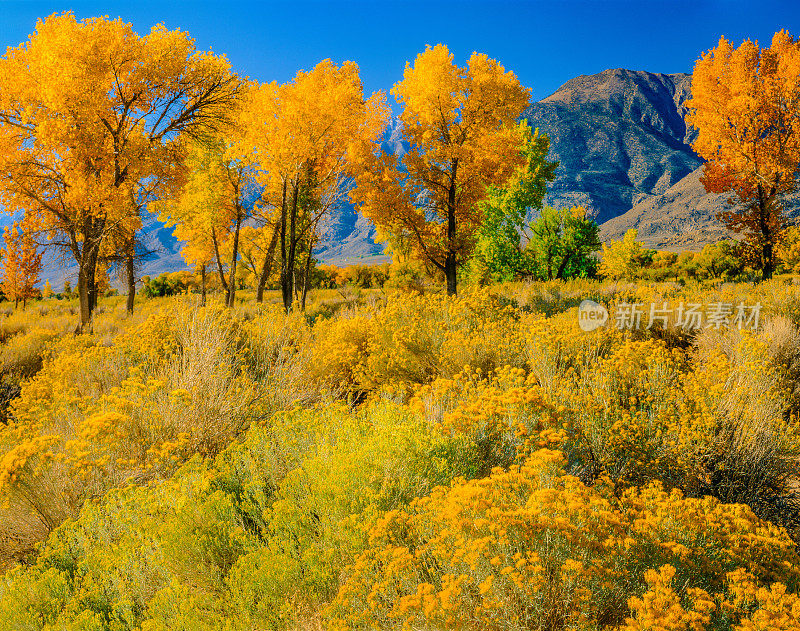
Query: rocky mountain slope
619	137
680	218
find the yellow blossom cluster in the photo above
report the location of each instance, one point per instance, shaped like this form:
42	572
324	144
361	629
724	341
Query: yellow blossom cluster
531	547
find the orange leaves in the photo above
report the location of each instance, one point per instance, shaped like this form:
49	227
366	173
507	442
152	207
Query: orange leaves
743	107
459	124
746	107
304	135
90	113
21	264
316	118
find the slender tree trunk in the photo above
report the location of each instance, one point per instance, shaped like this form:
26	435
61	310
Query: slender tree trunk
306	276
203	284
767	260
450	264
83	300
283	245
268	261
129	275
563	266
287	268
87	287
219	260
232	283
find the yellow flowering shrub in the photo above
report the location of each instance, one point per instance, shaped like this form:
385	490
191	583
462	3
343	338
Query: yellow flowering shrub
402	461
532	548
413	339
256	536
186	380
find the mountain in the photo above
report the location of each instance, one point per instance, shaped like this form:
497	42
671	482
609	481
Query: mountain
619	137
680	218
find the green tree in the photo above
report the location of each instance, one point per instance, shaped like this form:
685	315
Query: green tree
499	254
719	260
562	244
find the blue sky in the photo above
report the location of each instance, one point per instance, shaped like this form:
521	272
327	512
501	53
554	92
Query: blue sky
544	42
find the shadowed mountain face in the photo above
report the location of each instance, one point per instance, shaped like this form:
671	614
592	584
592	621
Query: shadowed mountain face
619	136
683	217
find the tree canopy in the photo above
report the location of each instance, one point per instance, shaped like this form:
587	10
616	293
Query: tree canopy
459	124
89	112
746	107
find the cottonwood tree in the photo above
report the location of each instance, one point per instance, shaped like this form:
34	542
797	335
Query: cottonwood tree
88	109
302	132
562	244
211	205
460	128
746	107
123	248
22	262
623	258
258	246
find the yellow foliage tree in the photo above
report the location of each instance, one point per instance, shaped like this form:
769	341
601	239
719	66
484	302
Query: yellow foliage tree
788	252
210	208
22	262
621	259
746	106
460	126
89	110
302	132
257	246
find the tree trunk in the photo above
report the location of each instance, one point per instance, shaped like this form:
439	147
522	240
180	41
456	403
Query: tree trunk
219	260
287	267
769	264
450	265
306	275
129	274
563	266
87	288
767	261
203	285
83	301
268	261
232	283
450	271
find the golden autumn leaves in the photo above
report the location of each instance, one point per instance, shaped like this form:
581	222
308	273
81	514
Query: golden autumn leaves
460	127
746	107
21	262
311	141
97	123
91	115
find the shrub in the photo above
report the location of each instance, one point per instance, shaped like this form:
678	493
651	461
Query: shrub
532	548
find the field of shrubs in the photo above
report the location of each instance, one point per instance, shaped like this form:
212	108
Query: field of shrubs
399	460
